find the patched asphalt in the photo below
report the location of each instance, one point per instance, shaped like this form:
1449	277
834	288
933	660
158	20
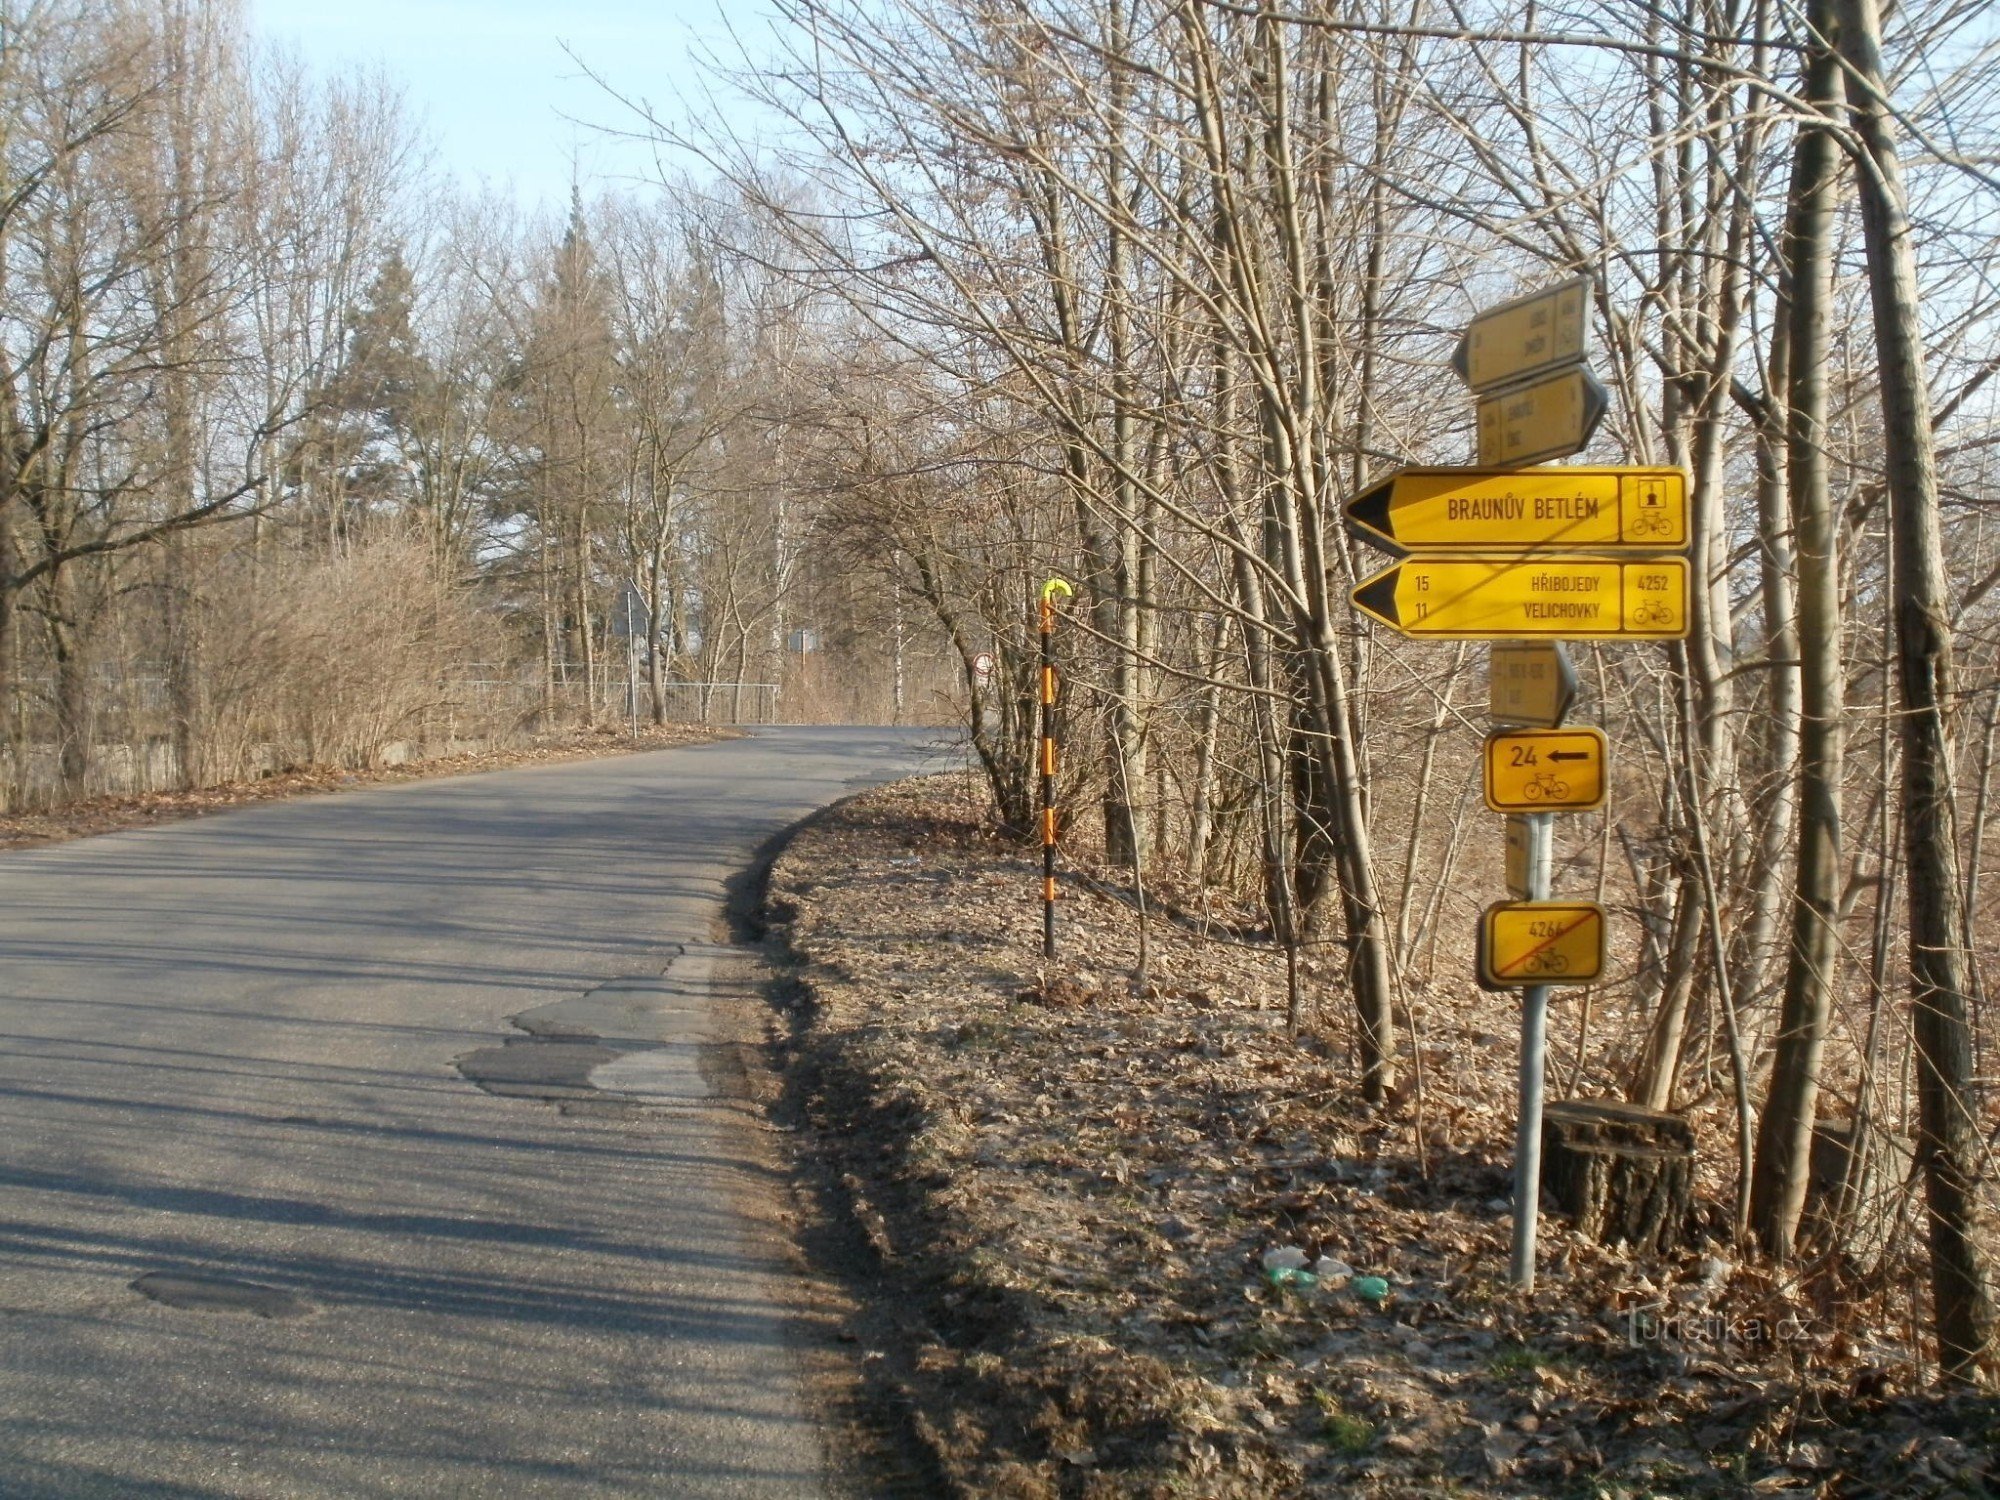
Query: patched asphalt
296	1207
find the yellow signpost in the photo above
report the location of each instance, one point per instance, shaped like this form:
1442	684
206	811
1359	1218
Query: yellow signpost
1524	943
1551	417
1529	557
1545	770
1530	683
1487	510
1541	331
1552	597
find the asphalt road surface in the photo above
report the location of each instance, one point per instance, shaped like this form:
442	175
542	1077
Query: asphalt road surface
285	1208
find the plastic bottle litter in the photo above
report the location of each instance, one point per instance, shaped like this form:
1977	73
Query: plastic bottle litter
1285	1258
1369	1288
1291	1276
1326	1268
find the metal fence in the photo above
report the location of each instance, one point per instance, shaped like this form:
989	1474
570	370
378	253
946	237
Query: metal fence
520	698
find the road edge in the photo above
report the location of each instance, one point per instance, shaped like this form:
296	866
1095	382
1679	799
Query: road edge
851	1355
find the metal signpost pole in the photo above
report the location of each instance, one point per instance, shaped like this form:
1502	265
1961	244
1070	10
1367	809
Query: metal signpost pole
1534	1060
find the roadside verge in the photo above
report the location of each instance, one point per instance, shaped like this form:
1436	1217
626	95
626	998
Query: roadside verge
1066	1211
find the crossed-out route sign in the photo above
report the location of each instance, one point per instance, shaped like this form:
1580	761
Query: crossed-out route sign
1525	943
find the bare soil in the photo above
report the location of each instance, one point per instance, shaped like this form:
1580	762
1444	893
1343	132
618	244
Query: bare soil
1053	1194
96	815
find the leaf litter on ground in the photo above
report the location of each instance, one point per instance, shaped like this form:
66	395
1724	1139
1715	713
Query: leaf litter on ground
1100	1210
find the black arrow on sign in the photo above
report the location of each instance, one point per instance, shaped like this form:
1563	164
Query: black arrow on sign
1569	755
1368	516
1377	596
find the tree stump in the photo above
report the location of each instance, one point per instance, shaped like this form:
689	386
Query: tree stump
1622	1172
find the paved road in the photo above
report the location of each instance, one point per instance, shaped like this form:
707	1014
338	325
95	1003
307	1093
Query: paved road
228	1060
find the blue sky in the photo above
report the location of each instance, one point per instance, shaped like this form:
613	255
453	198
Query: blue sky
491	83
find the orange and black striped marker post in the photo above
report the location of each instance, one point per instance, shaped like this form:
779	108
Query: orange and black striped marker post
1048	762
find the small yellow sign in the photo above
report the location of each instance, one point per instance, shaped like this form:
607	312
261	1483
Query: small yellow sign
1483	510
1529	682
1541	942
1545	770
1540	420
1520	853
1560	597
1526	336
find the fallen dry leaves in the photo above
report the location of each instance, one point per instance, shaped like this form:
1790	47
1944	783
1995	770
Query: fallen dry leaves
1071	1188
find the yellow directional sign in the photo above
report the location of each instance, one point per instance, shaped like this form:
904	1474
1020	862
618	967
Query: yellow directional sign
1557	597
1524	337
1520	851
1552	417
1541	942
1545	770
1530	683
1484	510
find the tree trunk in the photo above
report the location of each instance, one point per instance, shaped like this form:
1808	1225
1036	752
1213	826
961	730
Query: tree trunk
546	581
13	780
72	691
1779	1179
183	649
656	676
586	640
1777	811
1948	1138
1208	724
1654	1087
1294	430
1125	721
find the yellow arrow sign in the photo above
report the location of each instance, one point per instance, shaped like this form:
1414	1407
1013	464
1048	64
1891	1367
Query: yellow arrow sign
1526	336
1545	770
1475	510
1552	417
1529	682
1540	942
1510	598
